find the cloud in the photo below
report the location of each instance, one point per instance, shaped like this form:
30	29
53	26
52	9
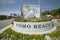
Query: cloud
7	1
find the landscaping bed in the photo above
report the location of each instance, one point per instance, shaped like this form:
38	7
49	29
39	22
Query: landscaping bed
32	20
20	36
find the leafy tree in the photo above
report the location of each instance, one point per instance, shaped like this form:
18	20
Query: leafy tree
58	11
15	14
46	13
54	12
2	17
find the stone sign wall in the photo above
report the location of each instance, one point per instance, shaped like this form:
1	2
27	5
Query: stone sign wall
33	26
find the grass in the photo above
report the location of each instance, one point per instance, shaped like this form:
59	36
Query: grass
16	35
21	36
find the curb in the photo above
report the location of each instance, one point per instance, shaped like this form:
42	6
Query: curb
5	28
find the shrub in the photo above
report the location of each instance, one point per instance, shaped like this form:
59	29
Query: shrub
32	20
2	17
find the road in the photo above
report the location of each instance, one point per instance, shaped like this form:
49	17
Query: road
5	23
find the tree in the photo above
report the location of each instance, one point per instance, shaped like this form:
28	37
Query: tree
2	17
46	13
58	11
54	12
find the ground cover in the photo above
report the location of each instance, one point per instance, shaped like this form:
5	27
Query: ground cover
20	36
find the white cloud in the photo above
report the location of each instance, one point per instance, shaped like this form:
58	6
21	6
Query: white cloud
7	1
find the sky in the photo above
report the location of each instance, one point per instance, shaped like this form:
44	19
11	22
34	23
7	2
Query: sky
13	6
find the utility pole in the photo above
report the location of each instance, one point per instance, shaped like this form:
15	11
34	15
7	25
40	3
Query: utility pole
22	15
40	10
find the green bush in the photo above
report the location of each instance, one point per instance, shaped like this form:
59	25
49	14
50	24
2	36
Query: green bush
2	17
31	20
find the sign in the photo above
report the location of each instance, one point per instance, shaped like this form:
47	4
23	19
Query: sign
34	27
